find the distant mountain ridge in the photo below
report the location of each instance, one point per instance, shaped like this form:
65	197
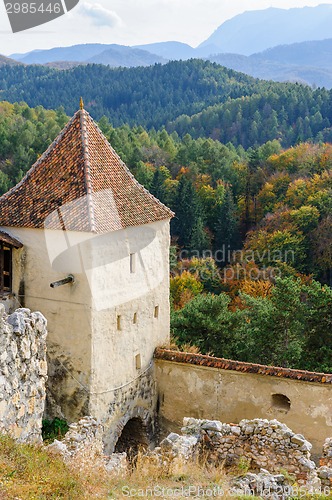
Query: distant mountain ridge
178	50
127	57
317	53
78	53
169	50
98	53
308	62
258	30
245	34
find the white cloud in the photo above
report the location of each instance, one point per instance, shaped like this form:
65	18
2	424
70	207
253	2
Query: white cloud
99	15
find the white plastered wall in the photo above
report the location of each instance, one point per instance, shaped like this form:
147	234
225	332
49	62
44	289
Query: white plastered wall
94	364
118	385
49	256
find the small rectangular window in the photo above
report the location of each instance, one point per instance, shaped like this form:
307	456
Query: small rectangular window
156	311
132	263
135	318
138	362
118	322
5	268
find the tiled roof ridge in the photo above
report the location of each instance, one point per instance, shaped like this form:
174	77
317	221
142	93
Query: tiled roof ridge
81	172
241	366
87	169
124	166
41	158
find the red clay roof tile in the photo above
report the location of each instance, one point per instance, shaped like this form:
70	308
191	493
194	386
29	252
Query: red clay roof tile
80	184
240	366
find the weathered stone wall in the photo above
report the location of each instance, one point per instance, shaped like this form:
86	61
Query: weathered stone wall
23	373
83	446
258	444
262	443
325	469
229	391
326	458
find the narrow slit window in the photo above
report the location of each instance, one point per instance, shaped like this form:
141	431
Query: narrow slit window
135	318
118	322
132	263
156	311
138	362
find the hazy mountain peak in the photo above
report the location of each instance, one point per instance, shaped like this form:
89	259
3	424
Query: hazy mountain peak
255	31
169	50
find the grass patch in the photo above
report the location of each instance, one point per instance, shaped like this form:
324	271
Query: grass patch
152	480
28	472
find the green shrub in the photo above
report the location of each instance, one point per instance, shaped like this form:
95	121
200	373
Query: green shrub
54	429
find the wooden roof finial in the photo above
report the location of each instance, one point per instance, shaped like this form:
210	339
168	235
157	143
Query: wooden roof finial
81	103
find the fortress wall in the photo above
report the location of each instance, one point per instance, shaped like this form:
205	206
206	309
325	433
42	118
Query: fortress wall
23	373
203	387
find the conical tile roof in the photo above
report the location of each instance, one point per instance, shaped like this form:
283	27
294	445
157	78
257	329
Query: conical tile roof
80	184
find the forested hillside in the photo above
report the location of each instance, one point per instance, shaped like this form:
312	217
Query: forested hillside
7	61
195	97
252	247
289	113
307	62
25	134
138	96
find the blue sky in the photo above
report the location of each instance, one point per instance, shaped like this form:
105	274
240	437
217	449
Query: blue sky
130	22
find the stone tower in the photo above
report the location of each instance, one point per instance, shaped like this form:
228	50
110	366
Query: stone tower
80	222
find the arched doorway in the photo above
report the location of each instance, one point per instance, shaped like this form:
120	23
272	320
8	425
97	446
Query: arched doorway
133	438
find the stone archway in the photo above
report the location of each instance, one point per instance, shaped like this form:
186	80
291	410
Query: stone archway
138	422
133	439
